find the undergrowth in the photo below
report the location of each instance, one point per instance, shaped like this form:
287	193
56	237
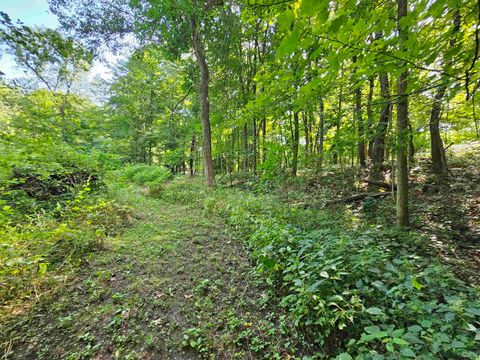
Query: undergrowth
369	292
151	176
52	217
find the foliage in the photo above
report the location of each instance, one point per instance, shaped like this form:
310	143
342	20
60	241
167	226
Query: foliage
371	292
35	251
151	176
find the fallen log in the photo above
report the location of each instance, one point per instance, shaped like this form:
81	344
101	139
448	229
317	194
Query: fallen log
356	197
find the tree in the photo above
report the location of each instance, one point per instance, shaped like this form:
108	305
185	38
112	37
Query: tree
402	123
54	59
165	23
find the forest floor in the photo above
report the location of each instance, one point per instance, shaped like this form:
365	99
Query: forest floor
176	285
173	286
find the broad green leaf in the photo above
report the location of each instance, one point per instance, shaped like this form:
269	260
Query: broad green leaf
374	311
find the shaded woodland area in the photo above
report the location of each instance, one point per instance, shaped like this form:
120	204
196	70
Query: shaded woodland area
295	179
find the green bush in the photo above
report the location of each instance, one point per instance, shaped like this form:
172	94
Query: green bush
148	175
363	292
33	252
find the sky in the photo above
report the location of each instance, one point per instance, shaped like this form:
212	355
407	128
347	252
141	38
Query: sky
37	13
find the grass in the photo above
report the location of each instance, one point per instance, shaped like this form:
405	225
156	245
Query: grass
173	285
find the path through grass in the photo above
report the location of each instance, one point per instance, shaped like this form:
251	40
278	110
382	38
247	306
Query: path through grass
173	286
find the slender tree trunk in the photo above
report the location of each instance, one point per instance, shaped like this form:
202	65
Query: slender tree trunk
204	104
307	136
192	156
439	163
321	135
254	145
245	147
335	147
295	138
371	88
361	135
378	148
439	160
359	121
264	139
402	126
411	146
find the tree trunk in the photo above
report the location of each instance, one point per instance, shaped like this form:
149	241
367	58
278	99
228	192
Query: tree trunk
245	147
411	146
321	135
307	136
371	88
254	145
439	163
402	127
204	104
378	148
359	121
264	139
475	120
361	137
192	156
295	138
439	160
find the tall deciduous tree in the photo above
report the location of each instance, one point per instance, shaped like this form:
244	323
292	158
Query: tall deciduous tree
402	122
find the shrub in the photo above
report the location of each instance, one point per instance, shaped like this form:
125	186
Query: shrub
366	292
34	251
152	176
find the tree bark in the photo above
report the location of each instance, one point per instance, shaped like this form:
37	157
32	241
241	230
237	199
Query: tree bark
295	138
439	160
264	139
371	88
254	145
360	126
307	136
245	147
411	146
204	104
321	136
402	127
361	136
378	147
192	156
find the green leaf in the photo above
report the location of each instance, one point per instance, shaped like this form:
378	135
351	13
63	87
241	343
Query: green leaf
42	268
375	335
311	7
374	311
416	284
372	329
449	316
407	352
344	356
315	285
399	341
285	20
289	43
337	23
